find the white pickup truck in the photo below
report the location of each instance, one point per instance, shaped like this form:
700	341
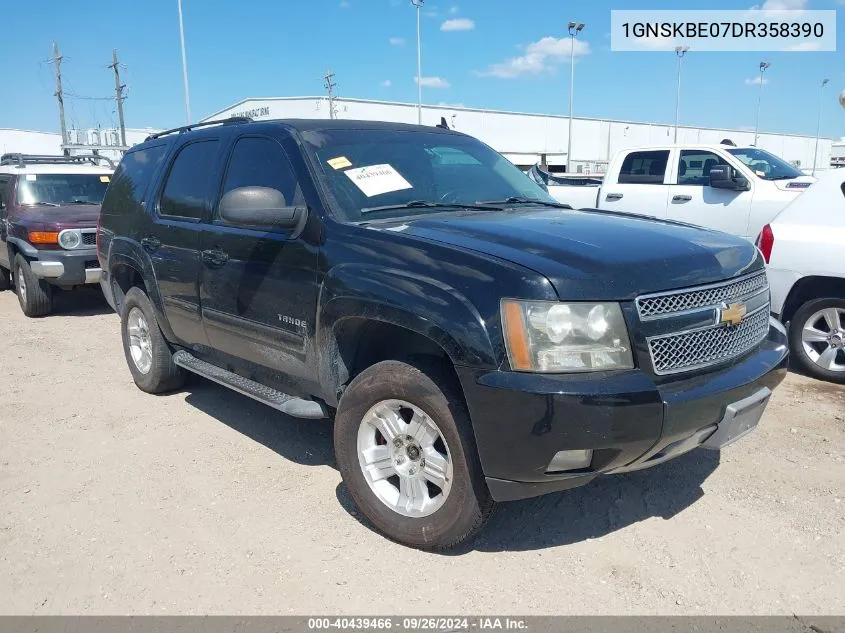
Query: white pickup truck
733	189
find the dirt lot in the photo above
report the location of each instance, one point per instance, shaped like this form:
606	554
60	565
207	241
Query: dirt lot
114	501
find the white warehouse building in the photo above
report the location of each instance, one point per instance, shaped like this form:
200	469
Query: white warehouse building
528	139
106	141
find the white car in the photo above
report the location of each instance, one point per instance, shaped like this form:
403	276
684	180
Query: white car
804	247
732	189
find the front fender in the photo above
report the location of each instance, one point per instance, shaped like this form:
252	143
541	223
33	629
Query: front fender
423	305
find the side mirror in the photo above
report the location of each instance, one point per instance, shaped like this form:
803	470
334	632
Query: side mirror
260	207
725	177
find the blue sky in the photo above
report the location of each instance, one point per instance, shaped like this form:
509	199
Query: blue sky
494	53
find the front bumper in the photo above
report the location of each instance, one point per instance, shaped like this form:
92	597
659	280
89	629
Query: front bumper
627	419
67	268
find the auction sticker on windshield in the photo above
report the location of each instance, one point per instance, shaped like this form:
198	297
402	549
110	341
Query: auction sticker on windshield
341	162
377	179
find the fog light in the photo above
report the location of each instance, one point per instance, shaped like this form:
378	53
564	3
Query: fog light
570	460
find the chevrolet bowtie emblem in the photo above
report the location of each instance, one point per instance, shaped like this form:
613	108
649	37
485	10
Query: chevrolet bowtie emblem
731	315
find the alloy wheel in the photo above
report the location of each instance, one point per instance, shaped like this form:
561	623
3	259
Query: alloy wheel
823	338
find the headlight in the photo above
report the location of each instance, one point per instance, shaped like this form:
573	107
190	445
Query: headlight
549	337
70	239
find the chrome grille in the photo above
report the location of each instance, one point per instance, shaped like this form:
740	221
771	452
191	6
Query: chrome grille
685	351
666	304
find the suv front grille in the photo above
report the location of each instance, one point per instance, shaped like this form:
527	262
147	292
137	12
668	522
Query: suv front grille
686	351
89	239
666	304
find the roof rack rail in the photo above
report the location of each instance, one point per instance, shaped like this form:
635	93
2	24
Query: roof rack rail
187	128
22	160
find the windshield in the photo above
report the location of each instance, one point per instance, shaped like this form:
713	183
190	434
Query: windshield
390	174
767	166
56	189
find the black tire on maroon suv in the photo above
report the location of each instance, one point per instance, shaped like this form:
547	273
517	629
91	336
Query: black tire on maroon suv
405	449
35	295
148	355
5	279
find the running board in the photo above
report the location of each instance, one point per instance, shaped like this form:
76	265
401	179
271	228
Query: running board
291	405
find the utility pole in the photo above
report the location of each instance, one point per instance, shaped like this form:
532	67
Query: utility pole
763	66
680	51
419	5
574	29
819	124
118	95
184	63
57	60
330	86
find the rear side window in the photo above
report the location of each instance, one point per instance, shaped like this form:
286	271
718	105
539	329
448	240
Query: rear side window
190	183
261	162
130	181
644	168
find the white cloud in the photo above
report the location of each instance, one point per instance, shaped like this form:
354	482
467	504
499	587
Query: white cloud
458	24
657	43
386	83
455	8
783	5
756	81
397	41
804	47
433	82
540	56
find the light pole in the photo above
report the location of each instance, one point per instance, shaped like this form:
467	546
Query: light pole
419	4
763	66
819	124
574	29
184	64
680	51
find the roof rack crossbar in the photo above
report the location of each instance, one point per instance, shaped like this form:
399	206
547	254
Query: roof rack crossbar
187	128
22	160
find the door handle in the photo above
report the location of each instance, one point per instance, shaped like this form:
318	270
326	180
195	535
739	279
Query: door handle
215	257
681	198
613	196
150	243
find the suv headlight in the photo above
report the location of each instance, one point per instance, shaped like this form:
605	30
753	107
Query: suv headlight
70	239
552	337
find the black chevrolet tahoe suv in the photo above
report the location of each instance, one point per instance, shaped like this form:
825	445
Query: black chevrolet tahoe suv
473	340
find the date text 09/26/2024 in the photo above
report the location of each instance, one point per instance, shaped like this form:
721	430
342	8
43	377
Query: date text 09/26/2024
417	624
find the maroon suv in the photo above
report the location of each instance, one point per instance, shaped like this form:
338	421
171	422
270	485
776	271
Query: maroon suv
49	206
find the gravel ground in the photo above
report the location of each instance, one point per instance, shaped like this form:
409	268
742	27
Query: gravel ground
114	501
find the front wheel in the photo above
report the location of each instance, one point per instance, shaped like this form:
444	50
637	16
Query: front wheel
405	450
817	338
35	295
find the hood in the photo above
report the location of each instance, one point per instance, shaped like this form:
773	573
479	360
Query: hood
69	216
595	255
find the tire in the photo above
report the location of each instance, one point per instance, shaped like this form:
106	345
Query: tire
161	374
35	295
462	506
5	279
818	314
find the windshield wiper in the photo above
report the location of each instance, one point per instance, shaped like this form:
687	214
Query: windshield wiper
521	200
42	203
784	177
78	202
428	204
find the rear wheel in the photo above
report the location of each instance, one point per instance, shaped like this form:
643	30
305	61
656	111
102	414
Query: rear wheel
817	338
406	453
35	295
148	355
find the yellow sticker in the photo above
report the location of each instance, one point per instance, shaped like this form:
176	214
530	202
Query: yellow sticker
341	162
104	179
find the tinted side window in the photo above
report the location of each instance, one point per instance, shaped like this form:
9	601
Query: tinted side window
4	185
644	168
190	183
695	165
261	162
130	181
